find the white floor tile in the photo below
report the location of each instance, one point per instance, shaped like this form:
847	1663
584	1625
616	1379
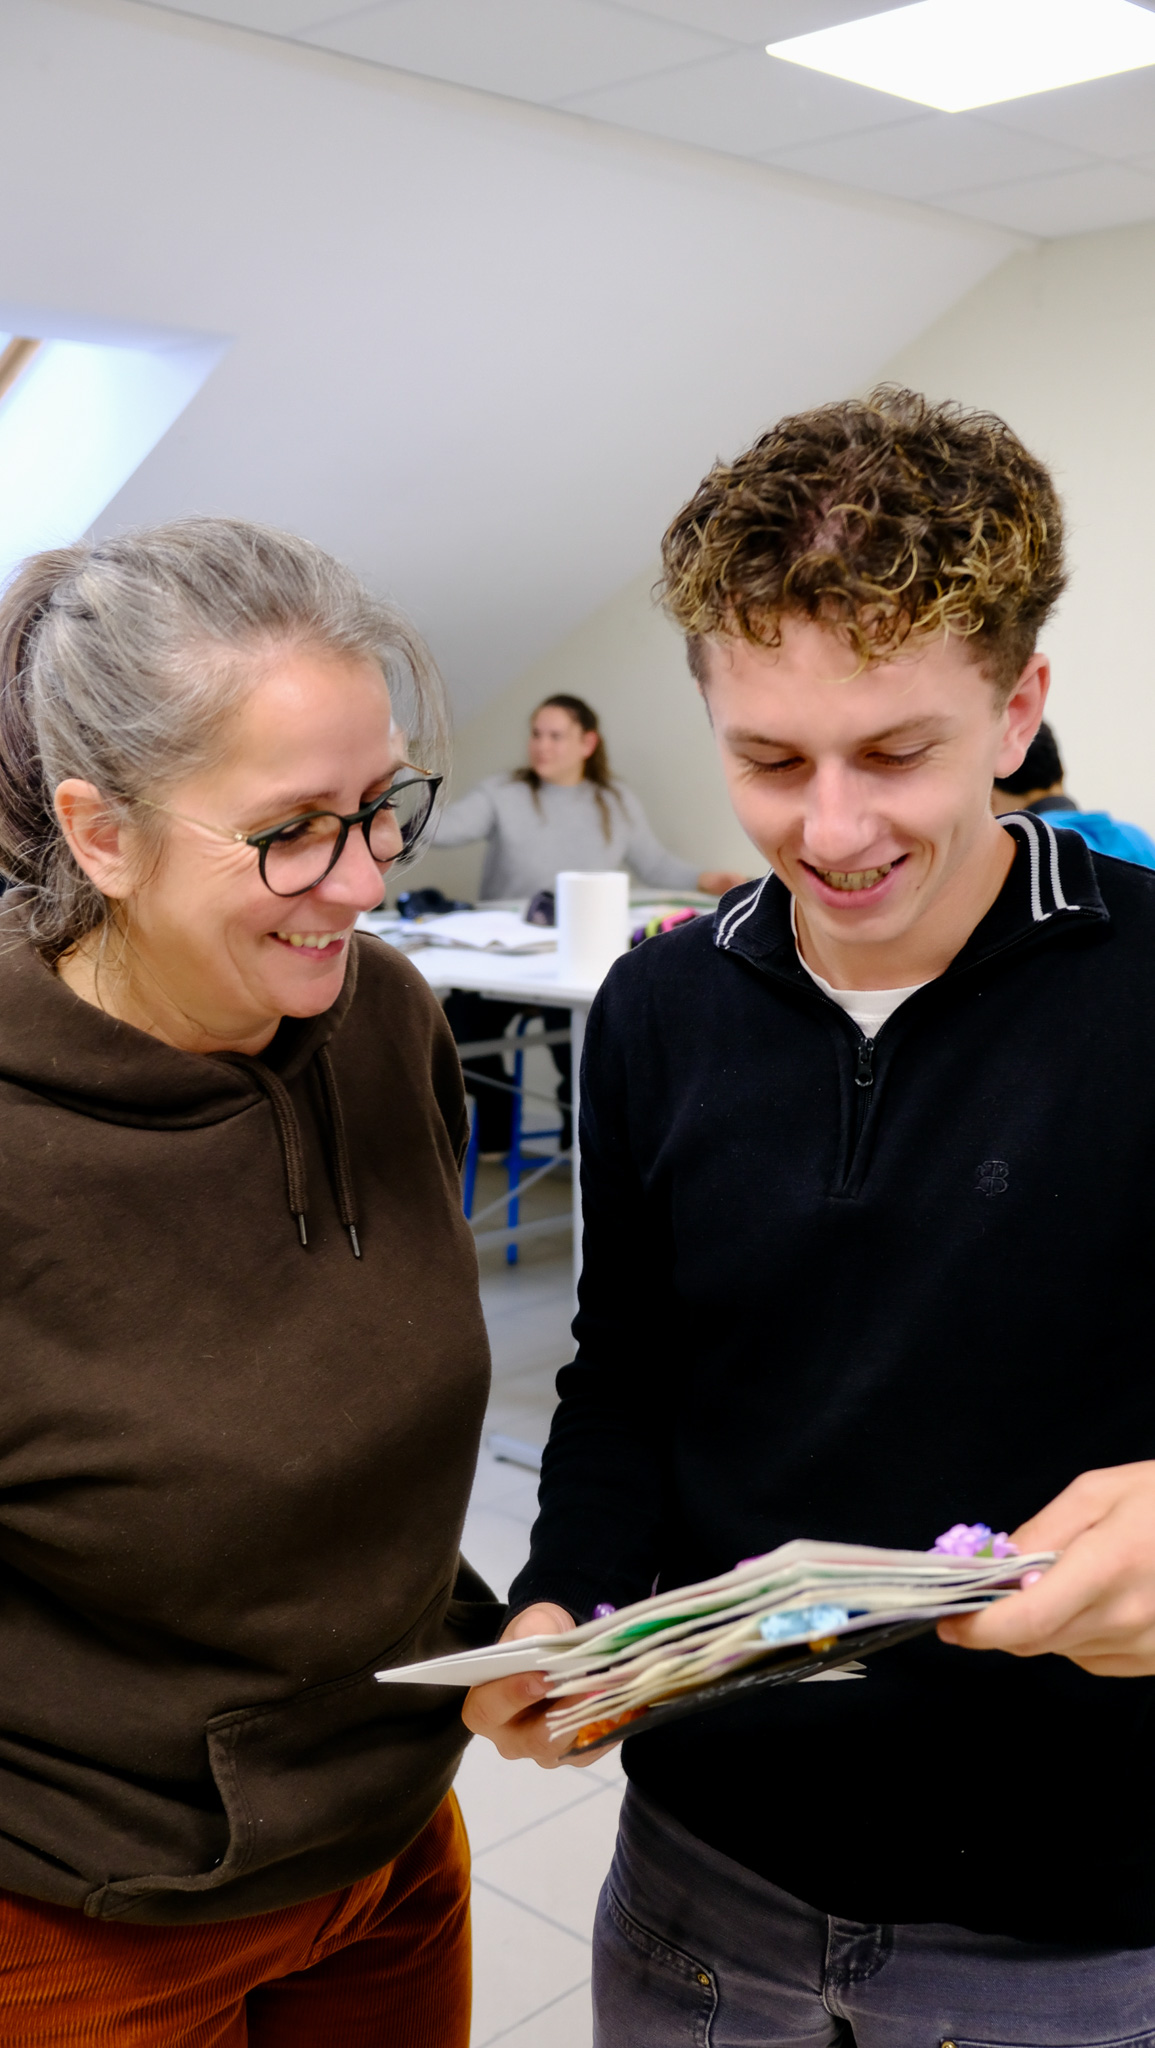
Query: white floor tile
522	1406
559	1866
565	2024
511	1488
496	1545
520	1964
500	1799
608	1766
542	1840
528	1311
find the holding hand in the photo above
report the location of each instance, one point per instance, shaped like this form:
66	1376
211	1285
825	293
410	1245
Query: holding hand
1097	1604
510	1711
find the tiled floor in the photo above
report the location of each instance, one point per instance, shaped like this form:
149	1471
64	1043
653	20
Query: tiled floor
542	1840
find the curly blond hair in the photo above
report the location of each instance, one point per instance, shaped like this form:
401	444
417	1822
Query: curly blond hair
886	518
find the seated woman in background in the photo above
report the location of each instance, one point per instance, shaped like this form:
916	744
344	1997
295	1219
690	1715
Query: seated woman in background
563	810
244	1360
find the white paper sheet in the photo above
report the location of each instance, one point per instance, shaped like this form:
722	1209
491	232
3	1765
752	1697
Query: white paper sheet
488	931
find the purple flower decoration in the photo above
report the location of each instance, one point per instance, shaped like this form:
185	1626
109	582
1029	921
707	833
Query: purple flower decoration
973	1539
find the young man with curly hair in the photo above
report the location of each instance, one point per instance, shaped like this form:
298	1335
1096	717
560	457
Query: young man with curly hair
869	1169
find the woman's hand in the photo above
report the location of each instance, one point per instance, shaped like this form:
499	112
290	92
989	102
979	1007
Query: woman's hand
510	1710
716	881
1097	1604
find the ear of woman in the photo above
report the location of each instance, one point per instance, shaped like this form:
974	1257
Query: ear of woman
102	845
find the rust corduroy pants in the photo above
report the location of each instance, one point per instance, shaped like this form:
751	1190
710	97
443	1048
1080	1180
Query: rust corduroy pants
383	1964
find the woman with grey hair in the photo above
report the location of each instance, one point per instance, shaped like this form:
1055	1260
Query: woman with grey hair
244	1359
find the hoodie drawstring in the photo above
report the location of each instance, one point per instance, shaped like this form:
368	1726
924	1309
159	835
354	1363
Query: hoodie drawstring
342	1171
292	1150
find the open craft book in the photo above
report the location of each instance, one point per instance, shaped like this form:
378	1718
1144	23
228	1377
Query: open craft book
804	1611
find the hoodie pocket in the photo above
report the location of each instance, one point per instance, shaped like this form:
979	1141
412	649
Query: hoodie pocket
324	1787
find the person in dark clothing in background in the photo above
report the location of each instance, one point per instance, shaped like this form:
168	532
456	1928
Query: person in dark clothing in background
1039	786
901	1094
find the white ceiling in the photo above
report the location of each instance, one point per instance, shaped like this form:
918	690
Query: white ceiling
478	349
696	71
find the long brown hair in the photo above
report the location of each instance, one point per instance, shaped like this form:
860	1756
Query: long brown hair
595	769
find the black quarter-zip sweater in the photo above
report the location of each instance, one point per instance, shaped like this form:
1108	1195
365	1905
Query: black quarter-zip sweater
813	1307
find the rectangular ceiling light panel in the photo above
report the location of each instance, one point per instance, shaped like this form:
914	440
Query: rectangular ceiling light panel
955	54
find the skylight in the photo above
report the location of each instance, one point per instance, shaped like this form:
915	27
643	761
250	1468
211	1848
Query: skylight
79	411
16	352
954	54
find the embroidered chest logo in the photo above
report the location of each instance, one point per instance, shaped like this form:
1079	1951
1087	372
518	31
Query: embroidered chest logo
992	1176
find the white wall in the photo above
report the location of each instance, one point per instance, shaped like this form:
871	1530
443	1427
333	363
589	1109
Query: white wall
630	664
475	345
1061	341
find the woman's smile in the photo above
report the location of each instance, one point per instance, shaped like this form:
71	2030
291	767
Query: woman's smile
324	945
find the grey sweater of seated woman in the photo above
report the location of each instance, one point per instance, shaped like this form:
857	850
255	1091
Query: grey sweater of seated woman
533	836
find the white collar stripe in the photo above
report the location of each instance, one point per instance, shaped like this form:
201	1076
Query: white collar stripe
1037	911
1033	827
747	907
1061	902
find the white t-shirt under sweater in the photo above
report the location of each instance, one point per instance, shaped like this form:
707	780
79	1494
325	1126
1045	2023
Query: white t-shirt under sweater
869	1007
532	841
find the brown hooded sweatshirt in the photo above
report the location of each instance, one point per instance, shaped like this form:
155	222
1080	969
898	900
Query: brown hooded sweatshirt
234	1456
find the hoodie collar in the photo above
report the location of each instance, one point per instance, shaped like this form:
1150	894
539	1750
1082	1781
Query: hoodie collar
1050	887
56	1044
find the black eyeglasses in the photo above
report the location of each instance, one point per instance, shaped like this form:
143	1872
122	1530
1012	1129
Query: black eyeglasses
296	856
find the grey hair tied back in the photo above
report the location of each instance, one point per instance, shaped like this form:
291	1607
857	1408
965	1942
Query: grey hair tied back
122	663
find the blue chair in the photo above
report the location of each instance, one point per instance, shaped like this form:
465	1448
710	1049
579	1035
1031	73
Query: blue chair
516	1159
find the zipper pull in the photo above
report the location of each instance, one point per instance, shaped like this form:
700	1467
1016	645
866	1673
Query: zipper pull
864	1070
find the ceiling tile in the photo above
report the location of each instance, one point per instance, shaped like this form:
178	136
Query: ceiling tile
1074	203
1109	116
921	159
508	46
745	103
763	21
273	17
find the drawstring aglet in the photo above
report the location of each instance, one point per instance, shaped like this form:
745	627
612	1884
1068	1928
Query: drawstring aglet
301	1228
353	1239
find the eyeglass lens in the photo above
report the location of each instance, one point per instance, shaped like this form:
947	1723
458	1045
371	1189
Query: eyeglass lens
298	859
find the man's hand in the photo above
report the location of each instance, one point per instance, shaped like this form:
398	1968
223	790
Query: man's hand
510	1710
1097	1604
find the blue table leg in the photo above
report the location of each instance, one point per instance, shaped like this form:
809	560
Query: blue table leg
513	1213
469	1173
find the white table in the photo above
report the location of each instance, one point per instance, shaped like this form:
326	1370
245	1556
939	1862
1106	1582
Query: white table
520	978
517	978
527	978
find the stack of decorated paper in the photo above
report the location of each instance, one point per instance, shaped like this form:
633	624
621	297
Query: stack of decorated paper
807	1610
